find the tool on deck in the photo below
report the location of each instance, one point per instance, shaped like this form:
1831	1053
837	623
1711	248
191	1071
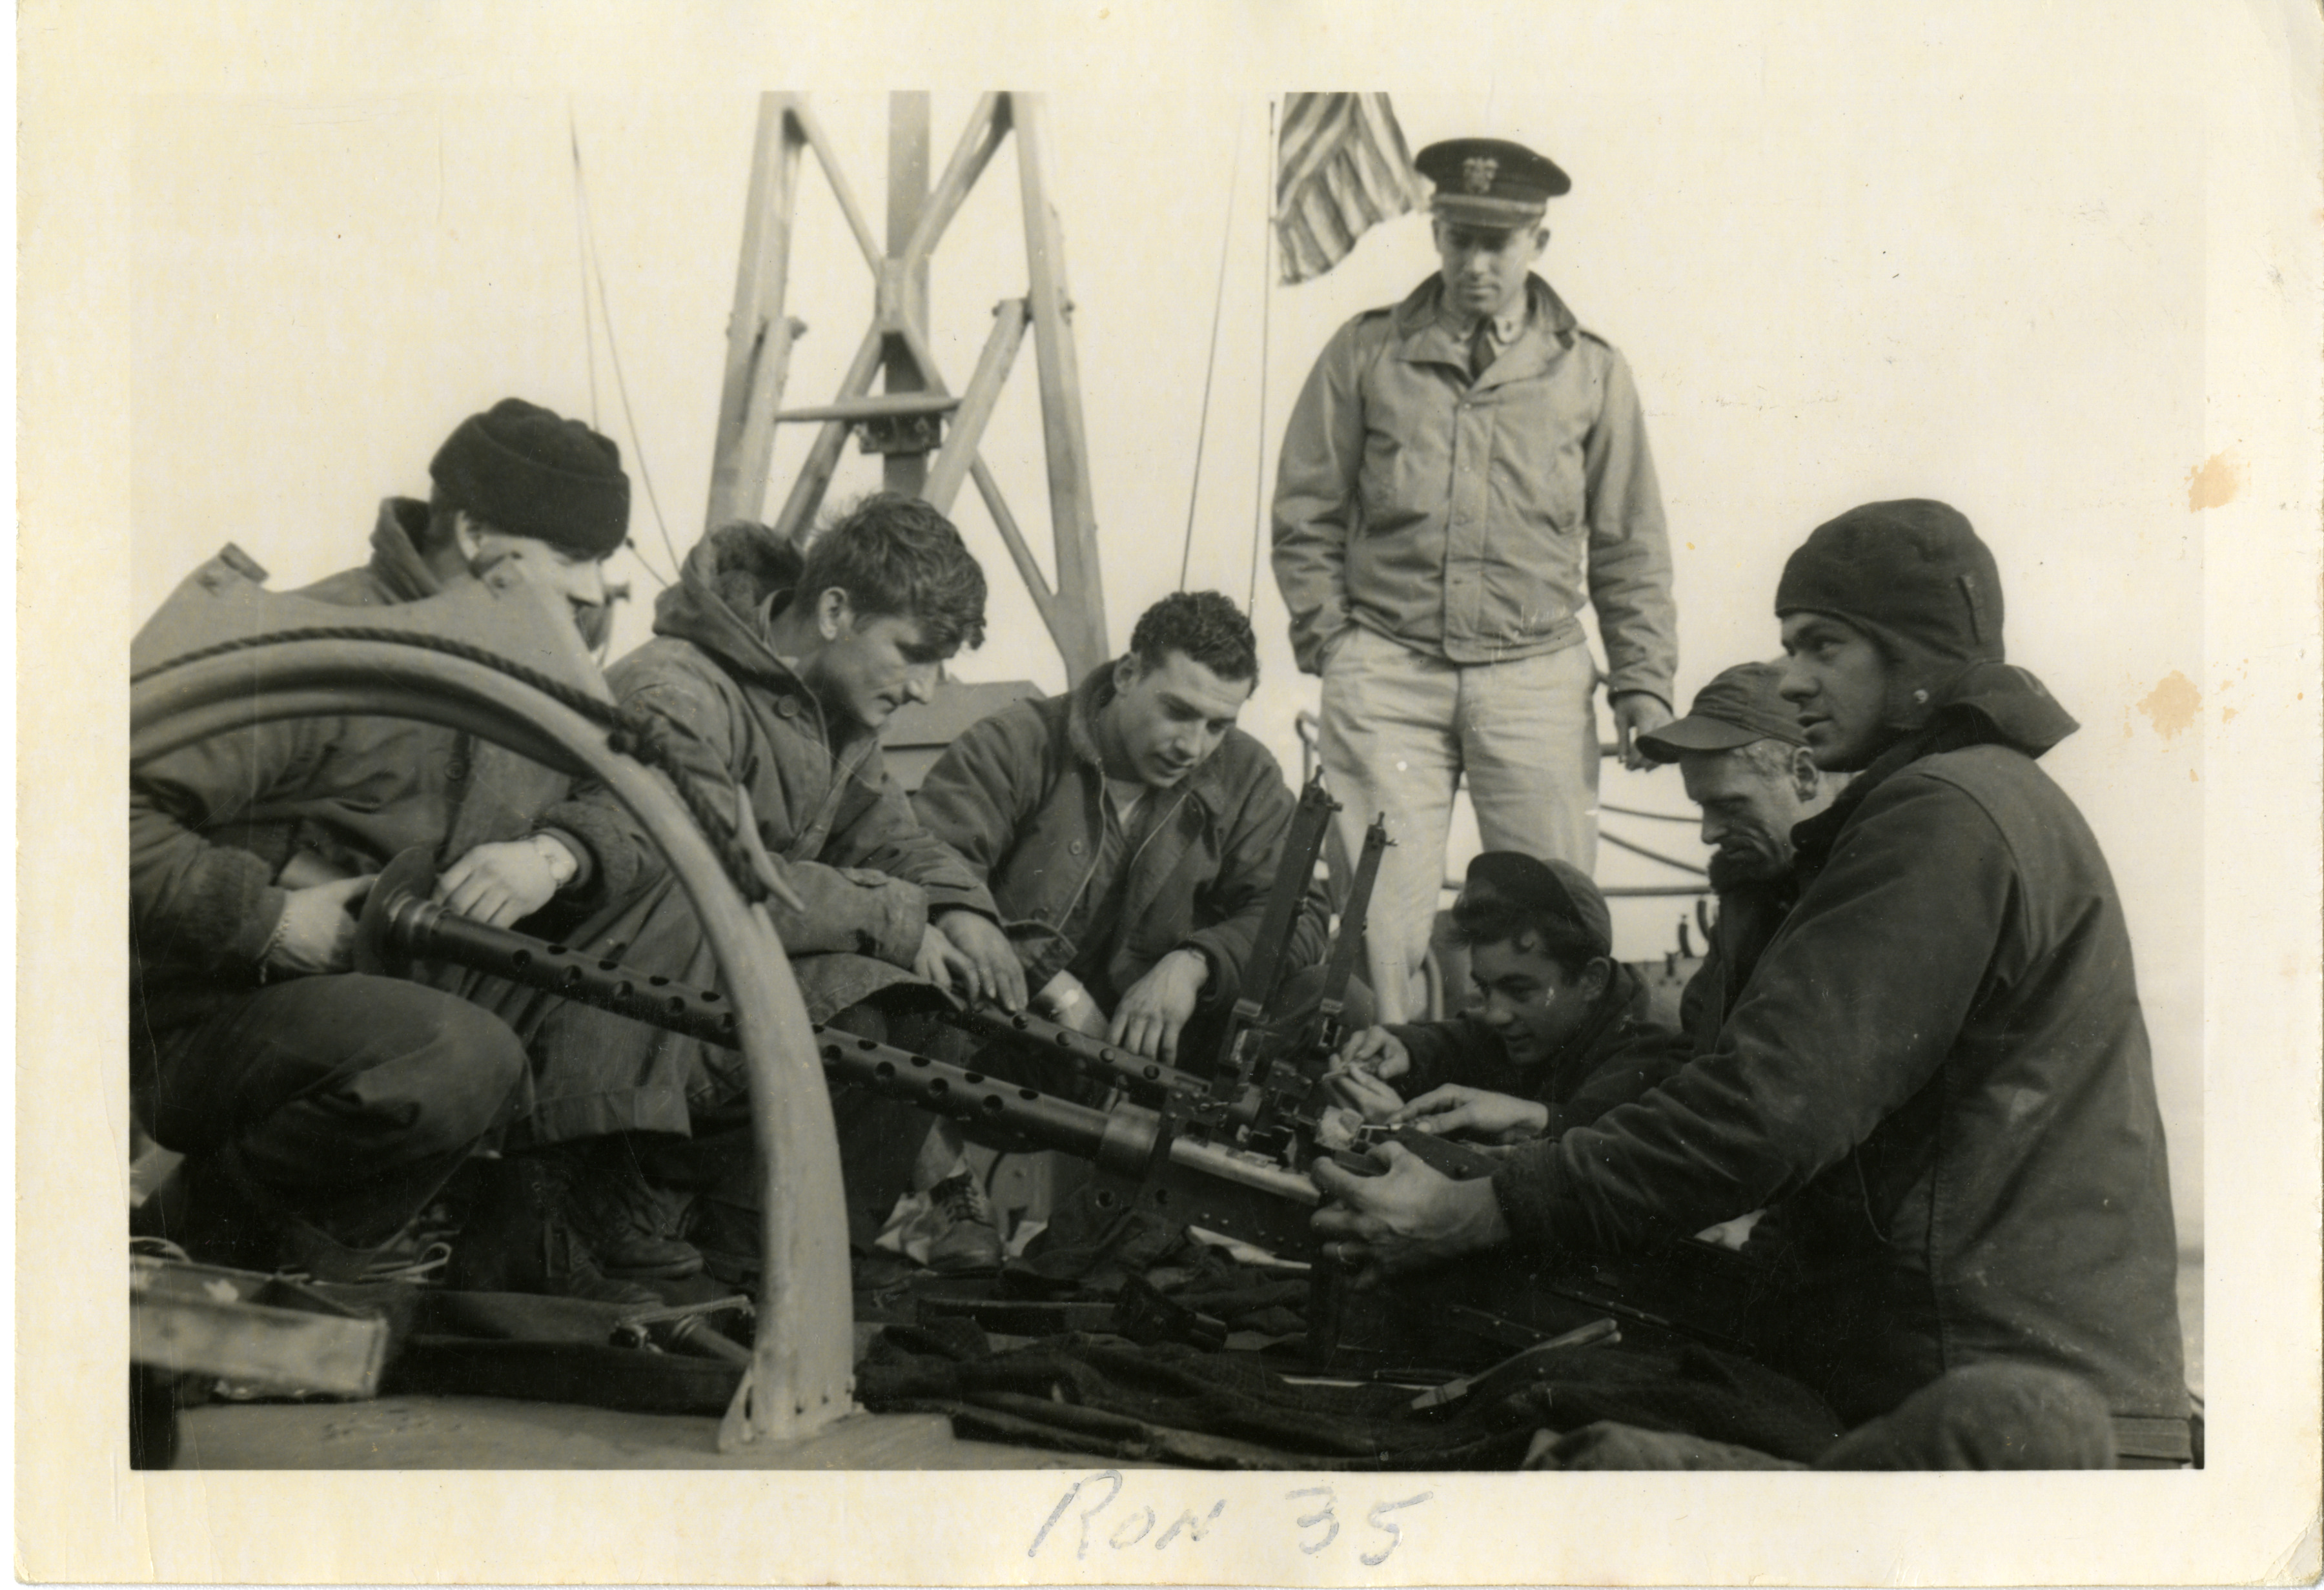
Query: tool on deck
1519	1367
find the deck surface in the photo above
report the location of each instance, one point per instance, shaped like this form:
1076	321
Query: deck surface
494	1433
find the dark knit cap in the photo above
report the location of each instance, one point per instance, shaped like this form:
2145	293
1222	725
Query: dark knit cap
1556	891
529	472
1911	573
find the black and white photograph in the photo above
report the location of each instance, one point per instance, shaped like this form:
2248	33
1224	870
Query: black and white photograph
1237	794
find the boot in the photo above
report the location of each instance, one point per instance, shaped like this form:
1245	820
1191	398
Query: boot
967	1241
521	1239
631	1224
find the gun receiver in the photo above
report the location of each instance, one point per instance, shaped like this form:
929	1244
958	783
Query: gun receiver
1255	1196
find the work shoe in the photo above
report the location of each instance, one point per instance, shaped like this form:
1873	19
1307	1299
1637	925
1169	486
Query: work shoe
966	1238
521	1238
631	1224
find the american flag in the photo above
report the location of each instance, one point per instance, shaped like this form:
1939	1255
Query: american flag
1341	166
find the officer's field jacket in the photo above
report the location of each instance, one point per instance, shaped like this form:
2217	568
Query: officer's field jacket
1468	521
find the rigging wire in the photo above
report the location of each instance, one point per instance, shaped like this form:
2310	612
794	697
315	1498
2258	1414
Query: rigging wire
1660	817
1668	861
1210	369
1266	302
594	264
581	241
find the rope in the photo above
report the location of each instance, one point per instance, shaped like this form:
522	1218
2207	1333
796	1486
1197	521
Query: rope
594	264
1210	369
1266	303
639	735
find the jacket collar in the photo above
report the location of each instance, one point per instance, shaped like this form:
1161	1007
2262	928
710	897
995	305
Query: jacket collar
1207	783
1988	704
395	560
721	604
1423	338
1613	1008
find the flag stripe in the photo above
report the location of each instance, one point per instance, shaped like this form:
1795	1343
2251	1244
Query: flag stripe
1341	168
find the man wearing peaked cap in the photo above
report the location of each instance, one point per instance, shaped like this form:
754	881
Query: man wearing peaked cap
1938	1070
1464	472
1746	766
1553	1041
320	1109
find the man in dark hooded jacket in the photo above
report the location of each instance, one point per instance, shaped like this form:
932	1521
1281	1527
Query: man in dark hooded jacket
773	670
320	1109
1939	1069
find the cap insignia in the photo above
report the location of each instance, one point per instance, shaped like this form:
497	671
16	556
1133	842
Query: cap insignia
1477	175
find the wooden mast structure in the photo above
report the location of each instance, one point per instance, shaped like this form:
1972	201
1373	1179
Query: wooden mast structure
929	437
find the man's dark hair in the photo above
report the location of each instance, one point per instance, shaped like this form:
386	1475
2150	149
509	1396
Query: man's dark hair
1492	920
895	556
1205	626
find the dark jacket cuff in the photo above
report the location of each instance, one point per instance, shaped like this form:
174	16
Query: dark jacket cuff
1525	1187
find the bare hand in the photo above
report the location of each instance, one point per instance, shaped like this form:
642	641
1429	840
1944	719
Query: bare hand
1409	1218
1637	713
505	881
1375	1049
940	961
1000	975
1364	1093
318	928
1159	1005
1496	1116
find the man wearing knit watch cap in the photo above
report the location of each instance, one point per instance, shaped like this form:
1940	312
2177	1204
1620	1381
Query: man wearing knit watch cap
1937	1074
319	1110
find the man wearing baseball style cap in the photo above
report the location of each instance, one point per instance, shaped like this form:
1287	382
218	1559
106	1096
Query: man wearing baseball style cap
1938	1070
1553	1041
1463	474
319	1110
1746	763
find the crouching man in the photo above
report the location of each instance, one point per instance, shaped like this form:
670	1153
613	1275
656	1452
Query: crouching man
321	1110
1553	1041
1938	1070
1130	833
773	669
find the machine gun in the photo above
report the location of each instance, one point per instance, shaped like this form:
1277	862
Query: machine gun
1228	1152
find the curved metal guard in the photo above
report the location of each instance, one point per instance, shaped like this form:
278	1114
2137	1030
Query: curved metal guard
801	1375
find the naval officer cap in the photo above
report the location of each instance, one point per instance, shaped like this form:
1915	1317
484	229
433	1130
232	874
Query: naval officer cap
1490	182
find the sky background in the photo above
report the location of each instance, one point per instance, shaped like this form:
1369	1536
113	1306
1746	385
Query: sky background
1831	288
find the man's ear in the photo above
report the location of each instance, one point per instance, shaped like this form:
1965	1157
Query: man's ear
1540	242
835	615
1805	778
1126	671
1595	978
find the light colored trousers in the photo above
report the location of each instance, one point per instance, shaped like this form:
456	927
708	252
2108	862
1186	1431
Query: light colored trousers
1400	729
